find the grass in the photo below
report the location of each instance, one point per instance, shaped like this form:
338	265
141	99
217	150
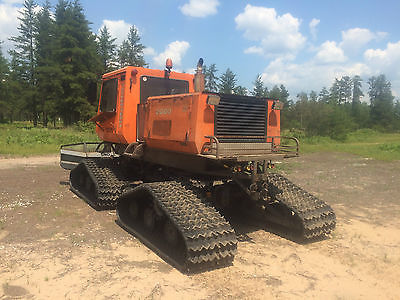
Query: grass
364	142
22	139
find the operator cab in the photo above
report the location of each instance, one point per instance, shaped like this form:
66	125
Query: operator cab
124	91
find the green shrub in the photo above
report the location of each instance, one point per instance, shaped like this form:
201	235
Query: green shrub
390	147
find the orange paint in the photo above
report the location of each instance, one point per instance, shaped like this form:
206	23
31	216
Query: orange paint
273	123
122	128
177	122
190	118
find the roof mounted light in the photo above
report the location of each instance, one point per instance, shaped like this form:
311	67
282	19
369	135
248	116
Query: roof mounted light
168	64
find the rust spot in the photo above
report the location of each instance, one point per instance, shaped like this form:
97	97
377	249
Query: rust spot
162	127
272	121
208	115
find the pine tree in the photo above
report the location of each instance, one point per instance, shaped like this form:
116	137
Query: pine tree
275	93
380	94
357	90
3	66
285	113
48	72
211	79
106	49
24	56
341	90
258	89
397	115
284	96
334	93
77	58
346	87
323	96
227	82
313	96
4	71
302	104
131	50
17	106
240	90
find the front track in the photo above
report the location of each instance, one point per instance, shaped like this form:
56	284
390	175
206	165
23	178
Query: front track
204	240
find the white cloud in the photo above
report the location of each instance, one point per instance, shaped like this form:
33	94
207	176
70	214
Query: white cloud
254	50
386	61
8	22
13	1
118	29
310	75
313	27
276	35
380	35
200	8
175	50
190	70
355	39
329	52
323	68
149	51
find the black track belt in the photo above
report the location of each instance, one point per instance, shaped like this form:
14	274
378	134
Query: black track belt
311	217
106	182
209	241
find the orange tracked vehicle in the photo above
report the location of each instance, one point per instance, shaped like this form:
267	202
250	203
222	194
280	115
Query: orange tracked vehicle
176	161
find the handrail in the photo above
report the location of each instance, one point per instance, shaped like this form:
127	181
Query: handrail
276	148
212	138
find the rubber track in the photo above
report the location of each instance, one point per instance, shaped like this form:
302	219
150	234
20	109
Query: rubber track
209	239
108	180
315	218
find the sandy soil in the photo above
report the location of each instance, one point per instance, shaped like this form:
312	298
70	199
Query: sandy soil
54	246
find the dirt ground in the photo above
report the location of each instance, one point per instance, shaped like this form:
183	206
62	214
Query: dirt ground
54	246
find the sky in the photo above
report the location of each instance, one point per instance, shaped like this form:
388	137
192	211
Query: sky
304	44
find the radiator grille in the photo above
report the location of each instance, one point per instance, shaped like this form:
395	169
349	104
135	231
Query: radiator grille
240	119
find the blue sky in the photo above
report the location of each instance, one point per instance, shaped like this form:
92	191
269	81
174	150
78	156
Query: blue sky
302	44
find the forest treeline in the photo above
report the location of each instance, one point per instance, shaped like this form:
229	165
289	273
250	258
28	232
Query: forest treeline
56	62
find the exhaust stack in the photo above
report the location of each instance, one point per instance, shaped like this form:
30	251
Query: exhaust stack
199	77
